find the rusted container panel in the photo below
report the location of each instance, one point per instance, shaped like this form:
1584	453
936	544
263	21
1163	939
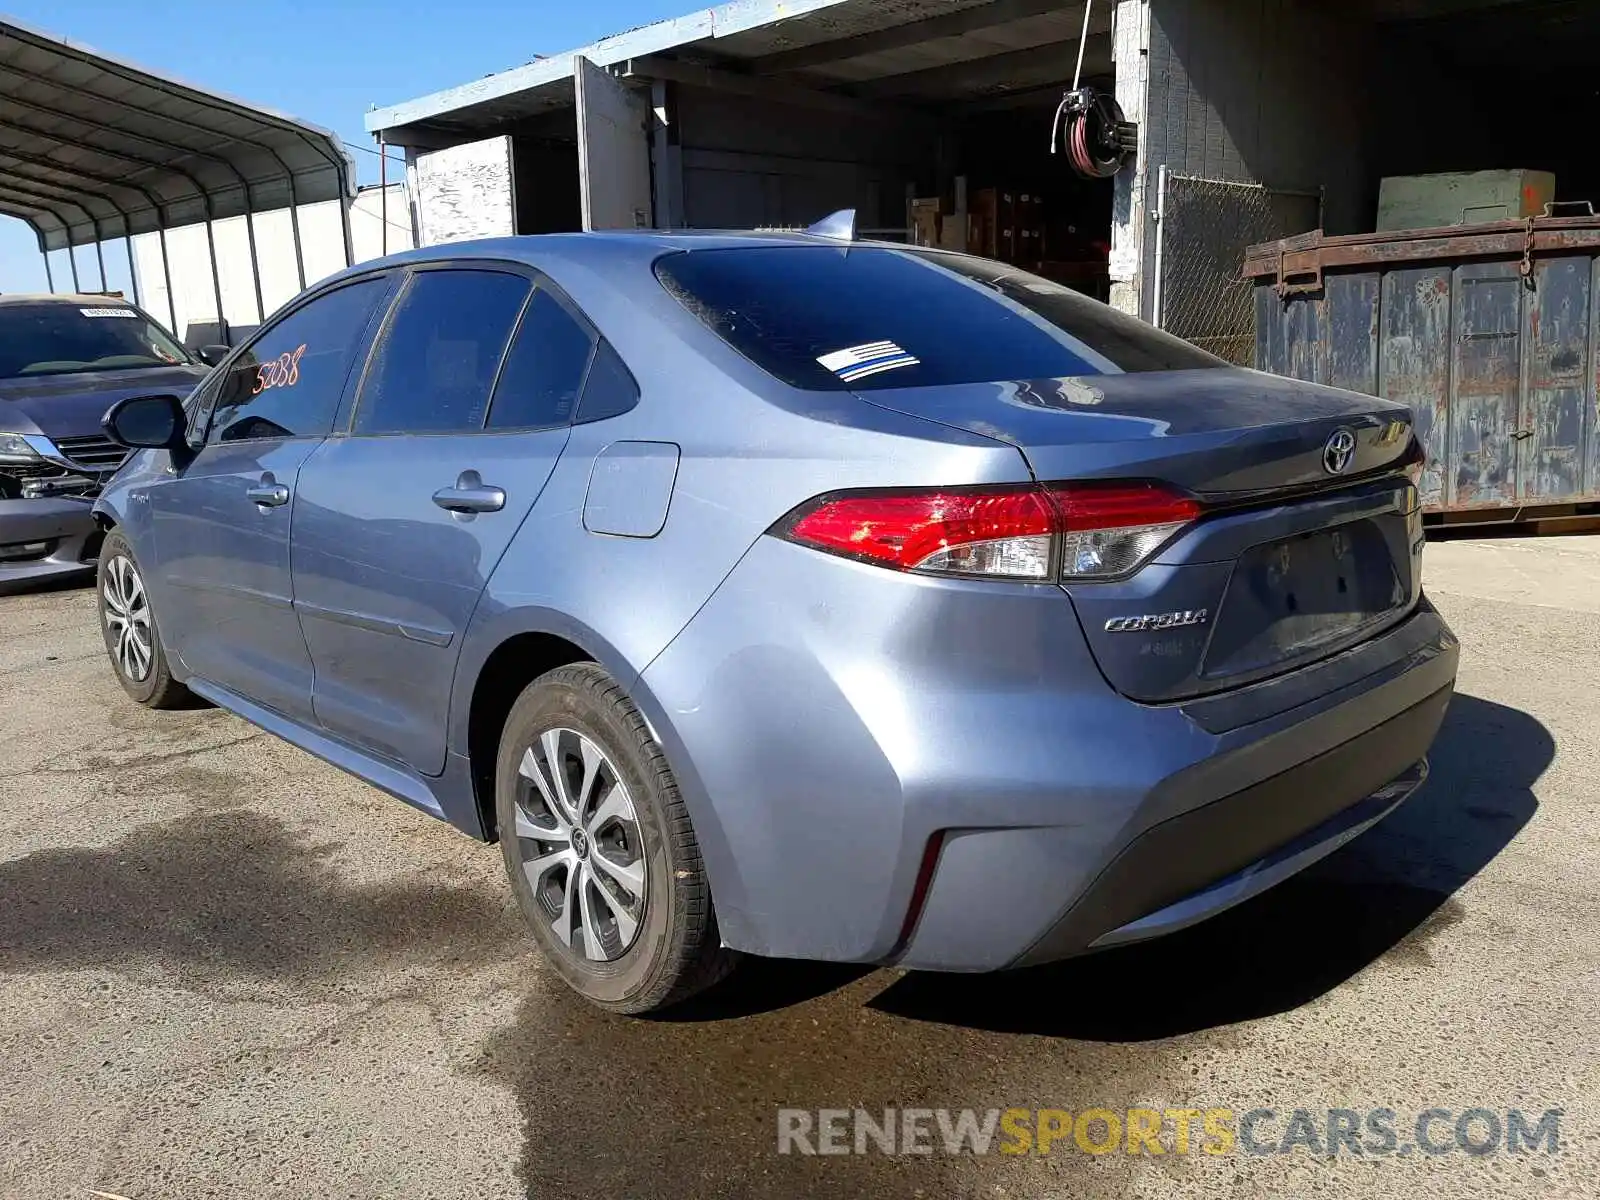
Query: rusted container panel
1490	333
1414	363
1293	337
1486	376
1557	385
1352	316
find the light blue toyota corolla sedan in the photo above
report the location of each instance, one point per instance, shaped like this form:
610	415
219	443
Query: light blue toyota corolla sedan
782	594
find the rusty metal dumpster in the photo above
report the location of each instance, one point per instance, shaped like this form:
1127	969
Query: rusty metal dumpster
1488	331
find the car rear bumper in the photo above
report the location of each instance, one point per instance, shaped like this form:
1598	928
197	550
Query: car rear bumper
1211	857
47	538
1271	869
1215	852
830	722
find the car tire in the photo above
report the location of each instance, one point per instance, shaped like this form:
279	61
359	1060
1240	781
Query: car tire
599	850
128	625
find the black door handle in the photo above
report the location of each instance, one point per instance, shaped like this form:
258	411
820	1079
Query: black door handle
470	495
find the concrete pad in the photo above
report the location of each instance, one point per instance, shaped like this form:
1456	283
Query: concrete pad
229	970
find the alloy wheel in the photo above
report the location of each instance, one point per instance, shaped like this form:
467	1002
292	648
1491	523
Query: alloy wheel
581	845
127	614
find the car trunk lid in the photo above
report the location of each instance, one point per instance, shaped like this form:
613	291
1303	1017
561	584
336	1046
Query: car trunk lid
1215	433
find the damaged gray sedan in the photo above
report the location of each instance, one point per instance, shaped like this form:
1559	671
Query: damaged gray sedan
64	360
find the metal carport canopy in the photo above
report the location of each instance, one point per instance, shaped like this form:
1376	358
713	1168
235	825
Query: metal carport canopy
871	51
94	148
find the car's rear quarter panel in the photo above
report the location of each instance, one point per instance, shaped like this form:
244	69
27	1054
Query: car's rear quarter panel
841	713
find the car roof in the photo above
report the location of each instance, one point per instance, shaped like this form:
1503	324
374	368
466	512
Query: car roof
76	299
658	239
605	243
602	249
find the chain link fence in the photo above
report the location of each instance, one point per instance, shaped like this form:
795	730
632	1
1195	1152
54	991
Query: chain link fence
1203	228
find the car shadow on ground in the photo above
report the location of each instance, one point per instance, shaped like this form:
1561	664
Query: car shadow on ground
1387	893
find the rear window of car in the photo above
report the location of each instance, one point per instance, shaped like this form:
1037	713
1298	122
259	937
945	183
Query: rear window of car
871	317
62	337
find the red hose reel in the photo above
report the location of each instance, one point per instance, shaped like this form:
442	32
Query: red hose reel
1090	128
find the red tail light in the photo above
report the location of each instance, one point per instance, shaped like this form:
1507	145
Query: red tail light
1028	531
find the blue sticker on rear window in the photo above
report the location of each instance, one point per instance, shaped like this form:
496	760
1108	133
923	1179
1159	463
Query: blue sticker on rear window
857	362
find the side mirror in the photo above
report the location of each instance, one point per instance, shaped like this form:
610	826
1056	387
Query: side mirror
213	355
147	422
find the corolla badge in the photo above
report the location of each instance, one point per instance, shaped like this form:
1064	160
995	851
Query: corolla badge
1338	452
1171	620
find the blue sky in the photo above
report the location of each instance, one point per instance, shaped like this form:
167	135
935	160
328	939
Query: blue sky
327	63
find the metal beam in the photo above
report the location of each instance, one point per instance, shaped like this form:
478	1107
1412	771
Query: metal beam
294	228
980	72
166	276
636	43
775	91
897	37
1049	94
216	283
255	265
383	199
1422	10
133	270
666	155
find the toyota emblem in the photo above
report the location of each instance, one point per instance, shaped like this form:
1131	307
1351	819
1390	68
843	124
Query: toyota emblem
1339	452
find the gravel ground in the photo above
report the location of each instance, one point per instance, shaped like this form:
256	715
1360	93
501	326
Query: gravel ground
229	970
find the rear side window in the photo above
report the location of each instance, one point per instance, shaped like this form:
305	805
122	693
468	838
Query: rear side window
288	383
539	385
440	353
866	317
610	389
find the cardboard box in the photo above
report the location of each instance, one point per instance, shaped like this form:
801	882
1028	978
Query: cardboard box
925	221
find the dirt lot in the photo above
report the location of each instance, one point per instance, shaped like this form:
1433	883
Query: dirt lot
227	969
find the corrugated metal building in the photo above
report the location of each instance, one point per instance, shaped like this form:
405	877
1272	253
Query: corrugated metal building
761	113
767	112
